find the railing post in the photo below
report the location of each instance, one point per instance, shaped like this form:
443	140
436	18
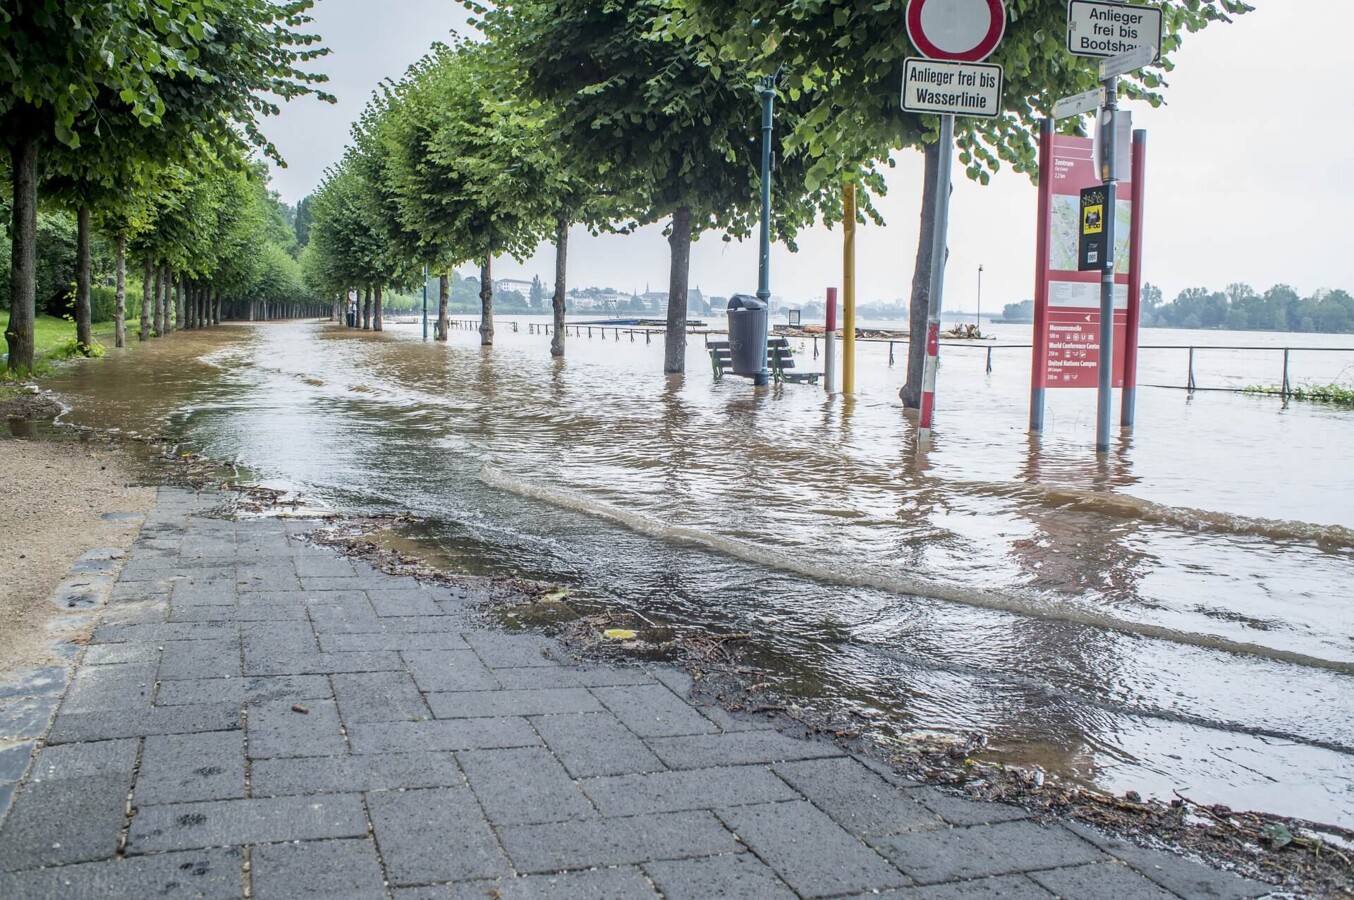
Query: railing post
989	360
1285	373
1190	383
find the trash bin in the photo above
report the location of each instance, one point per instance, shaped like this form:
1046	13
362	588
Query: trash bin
747	335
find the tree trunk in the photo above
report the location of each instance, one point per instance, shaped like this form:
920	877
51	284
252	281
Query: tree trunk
443	307
84	331
921	282
178	303
674	343
377	318
216	310
23	167
120	303
160	301
366	309
147	287
561	268
486	303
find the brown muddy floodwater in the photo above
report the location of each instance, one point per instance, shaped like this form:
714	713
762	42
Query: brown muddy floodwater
1174	616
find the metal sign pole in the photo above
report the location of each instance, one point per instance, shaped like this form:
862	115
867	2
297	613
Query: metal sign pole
830	343
764	251
1128	399
1109	173
937	288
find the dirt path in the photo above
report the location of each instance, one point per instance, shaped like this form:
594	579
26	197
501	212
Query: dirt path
53	495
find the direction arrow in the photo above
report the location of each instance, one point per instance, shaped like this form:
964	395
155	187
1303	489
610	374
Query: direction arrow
1127	62
1077	104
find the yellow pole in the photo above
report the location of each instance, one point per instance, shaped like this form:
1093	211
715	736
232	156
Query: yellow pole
849	290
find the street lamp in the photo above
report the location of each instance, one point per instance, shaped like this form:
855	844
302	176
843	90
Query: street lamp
979	318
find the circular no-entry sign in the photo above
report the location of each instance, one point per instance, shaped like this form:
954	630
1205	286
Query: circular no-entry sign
958	30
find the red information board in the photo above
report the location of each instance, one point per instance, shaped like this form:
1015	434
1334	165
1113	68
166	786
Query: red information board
1067	301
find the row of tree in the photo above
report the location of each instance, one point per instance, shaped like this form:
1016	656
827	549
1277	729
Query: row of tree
1241	308
141	119
639	111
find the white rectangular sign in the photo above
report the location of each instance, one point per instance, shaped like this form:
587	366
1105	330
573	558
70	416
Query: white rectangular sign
1114	66
1099	29
964	89
1077	104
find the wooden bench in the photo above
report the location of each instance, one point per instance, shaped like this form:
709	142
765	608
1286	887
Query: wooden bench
779	359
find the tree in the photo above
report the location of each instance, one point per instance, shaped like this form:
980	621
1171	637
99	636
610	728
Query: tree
537	297
845	59
672	137
72	67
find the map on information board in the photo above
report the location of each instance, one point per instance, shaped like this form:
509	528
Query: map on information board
1066	225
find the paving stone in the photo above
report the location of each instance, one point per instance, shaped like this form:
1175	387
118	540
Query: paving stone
477	704
64	820
259	572
225	613
1007	887
48	681
81	760
858	799
679	682
960	811
186	719
628	795
185	826
1182	876
275	728
405	603
422	624
322	565
14	761
325	663
183	768
331	869
205	587
323	583
444	734
103	688
567	676
736	876
731	721
24	718
121	654
163	631
523	786
592	744
612	842
269	645
653	711
812	853
378	697
200	659
449	670
388	640
736	748
251	609
345	613
503	651
981	850
369	772
434	835
205	874
611	884
1113	879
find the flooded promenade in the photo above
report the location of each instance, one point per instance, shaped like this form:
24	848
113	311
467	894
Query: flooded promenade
1173	616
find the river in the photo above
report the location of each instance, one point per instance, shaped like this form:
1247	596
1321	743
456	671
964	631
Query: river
1175	615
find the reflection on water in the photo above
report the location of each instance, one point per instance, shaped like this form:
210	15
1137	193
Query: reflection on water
1173	614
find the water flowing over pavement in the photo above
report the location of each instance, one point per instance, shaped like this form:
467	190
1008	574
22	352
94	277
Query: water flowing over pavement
256	716
1172	616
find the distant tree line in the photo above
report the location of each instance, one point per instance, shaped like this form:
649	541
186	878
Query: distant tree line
1241	308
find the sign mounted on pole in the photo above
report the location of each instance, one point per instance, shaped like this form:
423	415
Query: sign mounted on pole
1100	29
1079	104
1091	244
957	30
1114	66
964	89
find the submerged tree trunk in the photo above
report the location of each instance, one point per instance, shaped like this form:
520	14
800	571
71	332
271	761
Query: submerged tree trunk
486	303
147	288
377	318
160	301
557	302
366	309
674	343
84	331
443	307
216	306
179	309
120	300
23	168
921	282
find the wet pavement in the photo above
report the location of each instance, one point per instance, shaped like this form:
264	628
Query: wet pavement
256	716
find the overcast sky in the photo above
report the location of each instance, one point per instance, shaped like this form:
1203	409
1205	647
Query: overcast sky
1250	171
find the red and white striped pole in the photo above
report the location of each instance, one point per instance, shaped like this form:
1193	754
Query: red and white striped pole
937	288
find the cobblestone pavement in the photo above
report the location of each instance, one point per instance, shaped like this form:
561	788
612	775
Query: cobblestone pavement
254	716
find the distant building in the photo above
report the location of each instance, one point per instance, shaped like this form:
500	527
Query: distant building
658	300
507	285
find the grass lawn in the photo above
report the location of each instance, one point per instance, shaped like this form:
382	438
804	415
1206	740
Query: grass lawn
50	332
